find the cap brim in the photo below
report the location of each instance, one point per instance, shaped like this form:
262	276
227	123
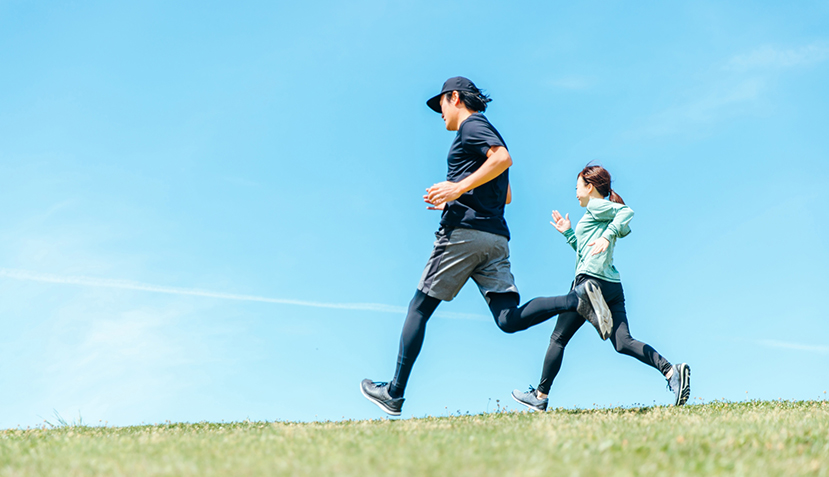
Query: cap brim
434	103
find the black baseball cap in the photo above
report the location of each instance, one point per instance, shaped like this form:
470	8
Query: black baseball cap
458	83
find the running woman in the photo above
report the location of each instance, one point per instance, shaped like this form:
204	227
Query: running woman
594	240
472	241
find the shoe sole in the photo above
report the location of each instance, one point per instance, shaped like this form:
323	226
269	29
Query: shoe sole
588	312
600	309
379	403
528	405
684	384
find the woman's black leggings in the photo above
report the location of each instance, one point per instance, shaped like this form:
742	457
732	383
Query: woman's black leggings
505	310
568	323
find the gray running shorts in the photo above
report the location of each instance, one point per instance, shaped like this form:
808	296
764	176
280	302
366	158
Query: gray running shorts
463	253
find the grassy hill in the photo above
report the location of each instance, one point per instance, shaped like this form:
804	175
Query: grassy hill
748	438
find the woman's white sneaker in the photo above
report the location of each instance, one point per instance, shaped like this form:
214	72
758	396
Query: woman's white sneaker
593	308
680	383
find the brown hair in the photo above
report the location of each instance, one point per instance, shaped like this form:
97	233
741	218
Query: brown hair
600	179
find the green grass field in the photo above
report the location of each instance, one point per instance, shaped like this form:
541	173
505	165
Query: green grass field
749	438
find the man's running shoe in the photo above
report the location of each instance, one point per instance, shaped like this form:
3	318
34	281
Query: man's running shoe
530	399
378	393
680	383
593	307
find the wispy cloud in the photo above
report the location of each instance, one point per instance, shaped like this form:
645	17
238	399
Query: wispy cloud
726	95
573	83
770	57
27	275
796	346
714	106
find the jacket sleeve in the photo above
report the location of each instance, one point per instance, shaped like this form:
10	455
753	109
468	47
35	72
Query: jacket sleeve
618	217
570	236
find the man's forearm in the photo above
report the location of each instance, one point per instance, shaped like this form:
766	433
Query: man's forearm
498	160
494	166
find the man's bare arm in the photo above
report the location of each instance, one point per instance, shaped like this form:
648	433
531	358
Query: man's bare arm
498	160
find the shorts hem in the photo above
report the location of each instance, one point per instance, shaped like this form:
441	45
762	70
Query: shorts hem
432	294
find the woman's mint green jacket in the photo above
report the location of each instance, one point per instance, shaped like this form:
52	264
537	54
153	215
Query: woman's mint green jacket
603	219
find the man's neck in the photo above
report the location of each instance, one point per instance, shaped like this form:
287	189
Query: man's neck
463	115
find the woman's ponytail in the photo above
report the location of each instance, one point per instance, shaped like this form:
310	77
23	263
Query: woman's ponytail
599	178
614	197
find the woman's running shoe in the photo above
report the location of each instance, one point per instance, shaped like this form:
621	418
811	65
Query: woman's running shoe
680	383
530	399
593	307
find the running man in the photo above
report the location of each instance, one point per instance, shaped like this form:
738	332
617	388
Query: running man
472	241
594	240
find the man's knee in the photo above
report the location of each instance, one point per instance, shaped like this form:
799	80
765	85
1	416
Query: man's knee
423	303
502	306
506	326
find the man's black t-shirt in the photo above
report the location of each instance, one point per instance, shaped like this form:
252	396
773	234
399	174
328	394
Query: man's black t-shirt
482	208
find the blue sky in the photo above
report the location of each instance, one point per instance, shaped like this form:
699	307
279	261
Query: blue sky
213	212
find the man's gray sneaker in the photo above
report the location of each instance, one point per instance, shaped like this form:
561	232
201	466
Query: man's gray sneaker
680	383
378	393
530	399
593	307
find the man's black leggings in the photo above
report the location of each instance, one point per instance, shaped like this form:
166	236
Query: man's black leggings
504	307
568	323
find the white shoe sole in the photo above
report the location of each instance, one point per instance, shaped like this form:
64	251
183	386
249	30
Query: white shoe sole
379	403
525	404
684	383
601	310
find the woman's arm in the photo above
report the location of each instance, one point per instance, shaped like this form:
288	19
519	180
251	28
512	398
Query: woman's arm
620	225
562	224
618	216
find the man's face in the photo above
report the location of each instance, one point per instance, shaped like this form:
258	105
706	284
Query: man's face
449	110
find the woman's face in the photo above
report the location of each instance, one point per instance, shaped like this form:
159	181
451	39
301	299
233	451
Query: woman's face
583	192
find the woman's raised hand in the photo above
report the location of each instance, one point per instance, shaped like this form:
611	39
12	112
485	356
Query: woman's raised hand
562	224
